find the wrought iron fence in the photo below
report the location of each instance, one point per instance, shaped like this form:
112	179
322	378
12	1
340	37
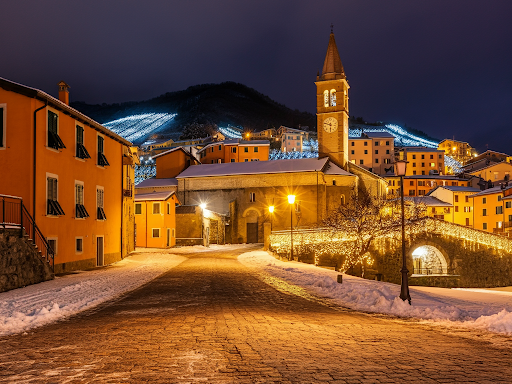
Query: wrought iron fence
14	214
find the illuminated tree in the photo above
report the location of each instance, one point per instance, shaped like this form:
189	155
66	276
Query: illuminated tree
364	218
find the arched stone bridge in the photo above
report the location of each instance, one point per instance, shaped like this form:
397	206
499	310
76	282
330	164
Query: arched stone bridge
438	253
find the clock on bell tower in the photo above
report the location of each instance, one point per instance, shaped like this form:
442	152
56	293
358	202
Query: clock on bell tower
332	107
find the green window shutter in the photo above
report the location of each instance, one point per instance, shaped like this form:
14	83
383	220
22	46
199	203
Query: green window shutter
52	122
79	135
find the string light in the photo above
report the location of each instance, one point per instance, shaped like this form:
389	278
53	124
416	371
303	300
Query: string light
325	241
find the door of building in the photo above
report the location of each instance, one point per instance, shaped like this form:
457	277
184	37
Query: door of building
99	251
252	232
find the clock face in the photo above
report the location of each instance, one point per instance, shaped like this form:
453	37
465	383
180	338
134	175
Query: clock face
330	125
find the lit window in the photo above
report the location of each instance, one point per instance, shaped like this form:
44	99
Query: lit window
156	208
333	97
326	98
252	197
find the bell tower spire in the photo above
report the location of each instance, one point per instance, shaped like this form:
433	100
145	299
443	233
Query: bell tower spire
332	107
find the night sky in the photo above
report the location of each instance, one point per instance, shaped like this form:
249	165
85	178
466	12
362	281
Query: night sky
444	67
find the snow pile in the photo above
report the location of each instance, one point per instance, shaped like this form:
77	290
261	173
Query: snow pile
482	309
40	304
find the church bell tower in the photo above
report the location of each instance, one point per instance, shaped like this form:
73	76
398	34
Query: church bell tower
332	107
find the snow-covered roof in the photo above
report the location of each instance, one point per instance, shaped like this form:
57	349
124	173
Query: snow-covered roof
157	183
154	196
38	94
333	169
485	166
429	201
491	191
186	150
372	135
258	167
455	188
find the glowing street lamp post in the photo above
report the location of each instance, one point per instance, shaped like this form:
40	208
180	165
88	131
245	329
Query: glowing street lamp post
400	168
271	210
291	200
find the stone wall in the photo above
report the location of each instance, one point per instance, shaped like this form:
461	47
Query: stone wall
20	263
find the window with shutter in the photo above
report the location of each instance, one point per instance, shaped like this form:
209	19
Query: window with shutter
81	151
53	207
100	213
54	141
80	211
102	160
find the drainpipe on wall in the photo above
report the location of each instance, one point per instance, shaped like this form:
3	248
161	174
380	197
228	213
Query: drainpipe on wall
122	200
34	171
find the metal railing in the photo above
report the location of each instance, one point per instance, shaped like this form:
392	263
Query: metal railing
14	214
428	271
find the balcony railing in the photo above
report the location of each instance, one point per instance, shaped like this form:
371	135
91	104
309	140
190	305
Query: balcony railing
428	271
14	214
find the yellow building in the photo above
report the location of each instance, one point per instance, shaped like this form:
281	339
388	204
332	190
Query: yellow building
424	161
493	209
459	198
422	185
435	208
155	219
459	150
490	171
373	151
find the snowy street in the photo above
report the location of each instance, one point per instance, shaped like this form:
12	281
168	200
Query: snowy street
236	314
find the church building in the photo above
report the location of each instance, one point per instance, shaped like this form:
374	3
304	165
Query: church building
254	193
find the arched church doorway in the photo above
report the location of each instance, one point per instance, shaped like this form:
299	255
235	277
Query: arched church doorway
428	260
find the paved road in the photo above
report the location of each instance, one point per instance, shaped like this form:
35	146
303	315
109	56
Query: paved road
211	320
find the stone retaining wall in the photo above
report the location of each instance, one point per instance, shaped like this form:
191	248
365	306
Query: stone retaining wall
20	263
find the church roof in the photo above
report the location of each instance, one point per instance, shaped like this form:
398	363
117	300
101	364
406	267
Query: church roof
333	68
262	167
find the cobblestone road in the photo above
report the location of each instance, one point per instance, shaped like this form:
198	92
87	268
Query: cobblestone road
211	320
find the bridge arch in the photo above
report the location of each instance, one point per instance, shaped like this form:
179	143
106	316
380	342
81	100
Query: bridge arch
429	259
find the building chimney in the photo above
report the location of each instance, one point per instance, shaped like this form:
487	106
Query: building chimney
64	92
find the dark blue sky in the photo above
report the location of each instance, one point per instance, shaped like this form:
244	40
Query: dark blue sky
440	66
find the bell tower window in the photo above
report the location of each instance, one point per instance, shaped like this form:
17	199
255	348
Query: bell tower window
333	97
326	98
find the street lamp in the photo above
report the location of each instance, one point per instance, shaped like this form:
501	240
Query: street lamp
203	205
400	168
271	210
291	201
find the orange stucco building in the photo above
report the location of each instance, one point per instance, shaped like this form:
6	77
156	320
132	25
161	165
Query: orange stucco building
374	151
234	151
171	163
69	171
155	219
